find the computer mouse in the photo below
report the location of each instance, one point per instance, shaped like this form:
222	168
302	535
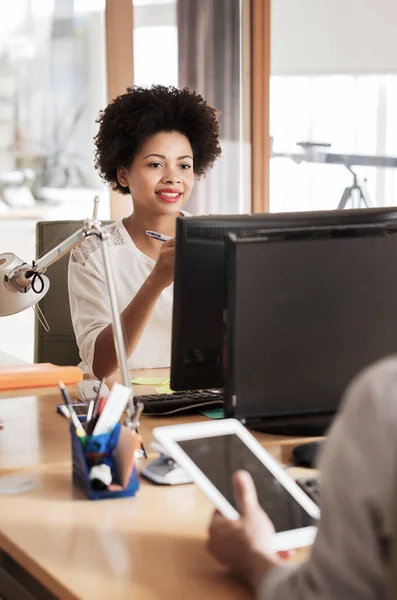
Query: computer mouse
88	390
305	455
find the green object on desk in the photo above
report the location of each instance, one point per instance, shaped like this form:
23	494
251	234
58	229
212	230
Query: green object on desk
164	389
150	380
213	413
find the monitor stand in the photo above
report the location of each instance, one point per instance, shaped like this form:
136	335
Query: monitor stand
303	425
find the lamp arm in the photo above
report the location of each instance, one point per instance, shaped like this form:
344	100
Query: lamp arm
20	279
133	410
90	226
39	266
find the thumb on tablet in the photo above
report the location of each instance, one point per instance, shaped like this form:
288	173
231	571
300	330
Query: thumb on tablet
245	494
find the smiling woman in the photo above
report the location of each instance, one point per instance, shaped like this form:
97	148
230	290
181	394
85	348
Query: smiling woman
152	143
161	177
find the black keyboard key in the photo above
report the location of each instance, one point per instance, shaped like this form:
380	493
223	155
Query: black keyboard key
190	401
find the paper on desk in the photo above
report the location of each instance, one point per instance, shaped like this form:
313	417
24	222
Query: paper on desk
150	380
164	389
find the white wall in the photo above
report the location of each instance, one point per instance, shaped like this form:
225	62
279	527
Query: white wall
319	37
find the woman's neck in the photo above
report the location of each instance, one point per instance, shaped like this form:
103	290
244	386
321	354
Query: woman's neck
136	225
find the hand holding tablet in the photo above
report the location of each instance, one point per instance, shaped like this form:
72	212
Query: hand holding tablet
211	452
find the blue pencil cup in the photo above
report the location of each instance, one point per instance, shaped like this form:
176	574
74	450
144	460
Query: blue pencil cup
81	469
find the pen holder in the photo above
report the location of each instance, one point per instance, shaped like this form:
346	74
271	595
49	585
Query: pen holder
116	449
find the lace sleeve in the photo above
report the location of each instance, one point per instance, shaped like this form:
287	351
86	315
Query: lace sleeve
90	244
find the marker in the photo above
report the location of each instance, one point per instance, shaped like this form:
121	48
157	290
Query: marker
158	236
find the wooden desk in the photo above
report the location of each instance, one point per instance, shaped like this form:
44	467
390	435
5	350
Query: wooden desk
148	547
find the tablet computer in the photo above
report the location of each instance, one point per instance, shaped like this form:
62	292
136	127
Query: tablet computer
211	452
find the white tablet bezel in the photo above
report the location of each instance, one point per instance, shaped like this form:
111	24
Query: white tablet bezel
168	437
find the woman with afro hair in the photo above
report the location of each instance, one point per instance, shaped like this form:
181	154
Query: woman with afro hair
152	143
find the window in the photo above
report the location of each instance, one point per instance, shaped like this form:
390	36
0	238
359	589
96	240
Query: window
200	45
52	86
355	114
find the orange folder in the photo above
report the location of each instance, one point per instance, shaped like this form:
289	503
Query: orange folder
37	375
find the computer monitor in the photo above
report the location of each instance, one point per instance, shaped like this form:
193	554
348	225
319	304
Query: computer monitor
200	284
306	312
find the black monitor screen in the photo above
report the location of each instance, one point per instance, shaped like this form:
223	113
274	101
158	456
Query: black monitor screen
200	285
304	317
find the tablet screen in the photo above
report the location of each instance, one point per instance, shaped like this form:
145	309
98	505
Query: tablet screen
219	457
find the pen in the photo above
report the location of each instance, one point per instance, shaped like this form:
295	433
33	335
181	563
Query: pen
98	395
99	403
158	236
75	420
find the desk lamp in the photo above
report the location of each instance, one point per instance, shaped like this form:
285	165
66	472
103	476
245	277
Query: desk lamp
22	285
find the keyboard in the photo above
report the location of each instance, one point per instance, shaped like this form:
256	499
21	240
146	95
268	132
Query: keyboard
187	401
310	485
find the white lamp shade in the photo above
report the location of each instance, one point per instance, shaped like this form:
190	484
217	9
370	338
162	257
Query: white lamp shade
12	302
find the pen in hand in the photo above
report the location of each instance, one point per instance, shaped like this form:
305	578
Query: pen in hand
158	236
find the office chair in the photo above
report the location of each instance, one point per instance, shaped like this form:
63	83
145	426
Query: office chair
58	345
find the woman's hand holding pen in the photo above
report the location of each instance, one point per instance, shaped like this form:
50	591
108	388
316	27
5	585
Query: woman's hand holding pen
163	271
137	314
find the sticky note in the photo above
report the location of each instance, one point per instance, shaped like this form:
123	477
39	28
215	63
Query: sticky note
164	389
151	380
213	413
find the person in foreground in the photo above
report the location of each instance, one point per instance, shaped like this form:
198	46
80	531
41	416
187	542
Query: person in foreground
152	143
351	554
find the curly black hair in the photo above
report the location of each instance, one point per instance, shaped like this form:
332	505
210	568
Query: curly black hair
141	112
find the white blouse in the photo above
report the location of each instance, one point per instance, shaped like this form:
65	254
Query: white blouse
90	304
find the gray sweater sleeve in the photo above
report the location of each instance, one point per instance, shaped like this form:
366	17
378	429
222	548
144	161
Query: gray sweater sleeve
358	478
